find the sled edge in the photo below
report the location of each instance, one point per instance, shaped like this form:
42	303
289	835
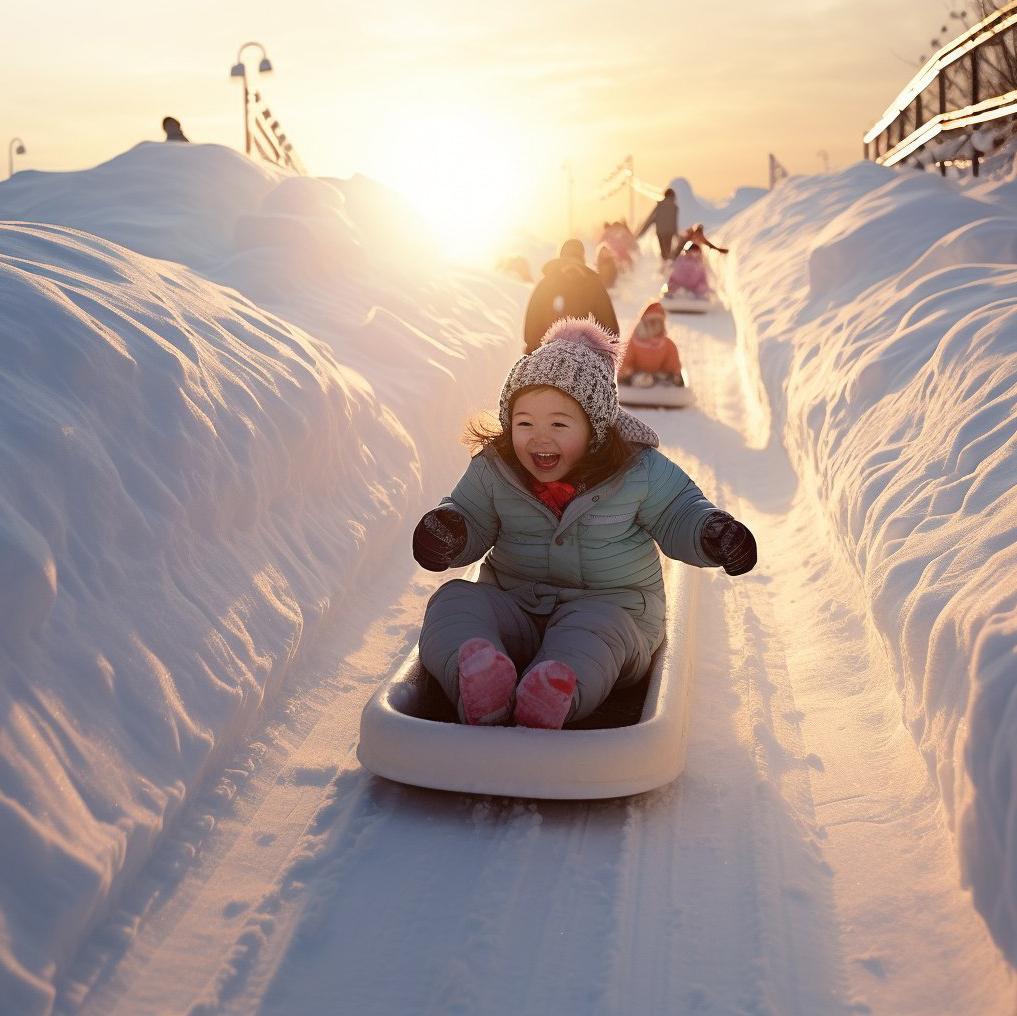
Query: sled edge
541	764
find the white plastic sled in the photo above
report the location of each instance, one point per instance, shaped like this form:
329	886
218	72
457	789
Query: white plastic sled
660	395
681	301
633	743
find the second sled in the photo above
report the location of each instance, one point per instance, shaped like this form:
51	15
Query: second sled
633	743
658	396
681	301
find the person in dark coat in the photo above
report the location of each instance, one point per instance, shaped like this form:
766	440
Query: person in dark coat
569	288
174	132
664	218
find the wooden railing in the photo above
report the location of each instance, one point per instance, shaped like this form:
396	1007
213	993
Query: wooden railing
624	175
268	139
967	92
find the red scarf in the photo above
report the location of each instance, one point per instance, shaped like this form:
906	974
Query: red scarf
556	494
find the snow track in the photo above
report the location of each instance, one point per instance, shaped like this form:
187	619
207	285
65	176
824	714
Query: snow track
800	865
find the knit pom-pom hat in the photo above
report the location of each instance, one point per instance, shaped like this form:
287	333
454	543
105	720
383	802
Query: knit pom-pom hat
655	309
653	321
579	358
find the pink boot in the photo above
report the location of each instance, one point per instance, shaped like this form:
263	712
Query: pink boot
544	695
487	679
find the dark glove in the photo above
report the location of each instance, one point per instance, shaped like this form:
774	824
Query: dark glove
727	542
439	538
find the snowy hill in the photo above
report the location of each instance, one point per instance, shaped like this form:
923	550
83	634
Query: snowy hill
877	312
155	199
226	395
712	214
190	482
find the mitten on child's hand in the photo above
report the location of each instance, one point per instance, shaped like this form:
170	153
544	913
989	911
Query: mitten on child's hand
727	542
439	538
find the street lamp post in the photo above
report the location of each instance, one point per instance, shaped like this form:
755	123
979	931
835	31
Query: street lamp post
16	147
238	70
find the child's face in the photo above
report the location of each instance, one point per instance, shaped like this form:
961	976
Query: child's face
652	327
550	433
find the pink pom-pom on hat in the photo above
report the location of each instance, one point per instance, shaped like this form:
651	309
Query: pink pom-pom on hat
579	358
584	332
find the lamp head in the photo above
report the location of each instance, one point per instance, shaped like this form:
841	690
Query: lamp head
20	150
265	66
237	70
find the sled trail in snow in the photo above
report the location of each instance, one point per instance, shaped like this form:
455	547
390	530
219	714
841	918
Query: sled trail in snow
856	878
800	865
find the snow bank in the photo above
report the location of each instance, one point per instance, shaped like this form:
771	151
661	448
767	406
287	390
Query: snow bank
172	201
878	313
712	214
191	479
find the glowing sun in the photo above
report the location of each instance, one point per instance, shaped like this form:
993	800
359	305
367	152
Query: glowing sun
468	174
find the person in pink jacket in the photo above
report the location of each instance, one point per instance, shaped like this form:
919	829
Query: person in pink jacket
689	272
650	355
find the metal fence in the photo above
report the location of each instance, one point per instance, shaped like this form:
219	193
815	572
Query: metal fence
267	137
959	105
624	175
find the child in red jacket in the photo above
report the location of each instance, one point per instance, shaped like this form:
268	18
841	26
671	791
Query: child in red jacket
651	356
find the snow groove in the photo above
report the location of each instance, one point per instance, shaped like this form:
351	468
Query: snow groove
732	892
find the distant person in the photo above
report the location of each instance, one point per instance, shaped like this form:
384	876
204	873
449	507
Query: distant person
517	265
627	239
651	356
622	243
569	288
688	272
664	219
619	238
695	234
174	132
607	266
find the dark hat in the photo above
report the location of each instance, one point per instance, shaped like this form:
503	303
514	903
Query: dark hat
573	249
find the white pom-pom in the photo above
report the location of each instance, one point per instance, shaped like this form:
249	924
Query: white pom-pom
584	332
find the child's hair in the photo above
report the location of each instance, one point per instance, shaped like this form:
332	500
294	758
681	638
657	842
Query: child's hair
484	431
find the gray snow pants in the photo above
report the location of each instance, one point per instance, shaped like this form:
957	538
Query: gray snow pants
598	640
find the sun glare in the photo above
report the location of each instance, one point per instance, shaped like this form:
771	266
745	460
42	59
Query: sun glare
466	173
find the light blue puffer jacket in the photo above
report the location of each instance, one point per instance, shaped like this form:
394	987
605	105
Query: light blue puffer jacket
604	546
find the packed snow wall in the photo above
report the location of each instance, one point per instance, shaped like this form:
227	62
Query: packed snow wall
199	459
877	319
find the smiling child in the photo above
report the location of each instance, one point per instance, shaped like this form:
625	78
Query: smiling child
569	499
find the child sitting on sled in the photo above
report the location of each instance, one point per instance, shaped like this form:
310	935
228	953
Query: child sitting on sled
569	499
650	355
689	272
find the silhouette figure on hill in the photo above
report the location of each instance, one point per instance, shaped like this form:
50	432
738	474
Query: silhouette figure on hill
174	132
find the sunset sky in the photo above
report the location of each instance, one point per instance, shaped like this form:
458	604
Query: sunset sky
474	109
